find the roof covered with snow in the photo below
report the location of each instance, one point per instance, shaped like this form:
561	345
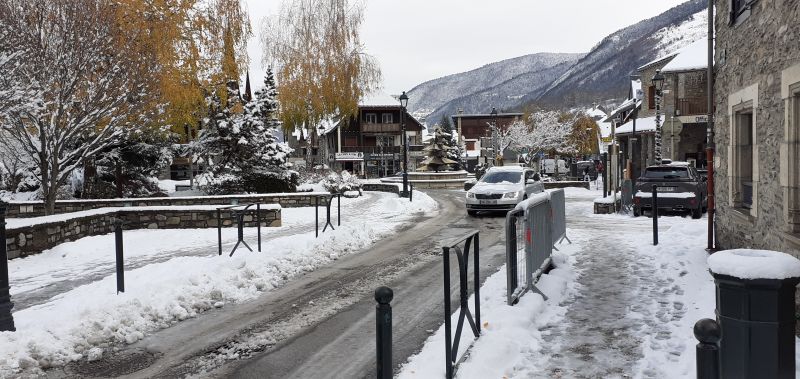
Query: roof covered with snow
645	124
692	57
379	99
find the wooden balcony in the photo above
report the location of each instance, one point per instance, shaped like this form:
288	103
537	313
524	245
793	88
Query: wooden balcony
380	128
693	106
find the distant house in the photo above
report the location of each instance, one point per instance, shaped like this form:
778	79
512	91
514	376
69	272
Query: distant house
370	144
757	125
475	135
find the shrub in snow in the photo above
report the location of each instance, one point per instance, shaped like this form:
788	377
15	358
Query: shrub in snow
340	184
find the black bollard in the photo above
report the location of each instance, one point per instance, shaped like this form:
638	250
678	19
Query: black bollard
316	216
383	331
6	318
339	210
605	175
655	215
708	332
119	249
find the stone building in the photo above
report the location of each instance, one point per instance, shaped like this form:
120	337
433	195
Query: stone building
757	125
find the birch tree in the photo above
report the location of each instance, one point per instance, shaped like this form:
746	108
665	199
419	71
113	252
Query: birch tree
83	81
320	63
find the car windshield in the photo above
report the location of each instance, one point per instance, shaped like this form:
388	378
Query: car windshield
667	173
502	176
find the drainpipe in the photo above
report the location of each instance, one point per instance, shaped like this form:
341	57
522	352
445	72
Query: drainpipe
710	127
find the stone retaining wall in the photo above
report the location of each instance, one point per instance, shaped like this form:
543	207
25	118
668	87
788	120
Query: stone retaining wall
29	240
24	209
381	187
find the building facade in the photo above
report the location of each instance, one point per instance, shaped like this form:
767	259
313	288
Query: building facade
757	125
475	136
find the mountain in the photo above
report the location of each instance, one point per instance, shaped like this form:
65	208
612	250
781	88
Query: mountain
499	84
601	74
563	80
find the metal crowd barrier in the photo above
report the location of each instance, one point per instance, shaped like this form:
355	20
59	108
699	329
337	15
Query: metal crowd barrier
544	221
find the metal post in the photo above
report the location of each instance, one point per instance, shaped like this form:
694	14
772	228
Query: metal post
405	153
605	174
258	225
316	215
447	313
477	281
339	210
6	318
655	215
219	231
710	127
383	332
411	193
658	126
119	247
708	332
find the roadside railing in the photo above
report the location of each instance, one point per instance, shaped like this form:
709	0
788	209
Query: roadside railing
470	241
558	216
516	258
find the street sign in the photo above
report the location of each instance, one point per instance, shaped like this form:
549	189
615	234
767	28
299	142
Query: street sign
349	157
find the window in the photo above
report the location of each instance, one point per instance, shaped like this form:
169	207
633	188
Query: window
739	10
651	97
387	118
794	163
371	118
743	151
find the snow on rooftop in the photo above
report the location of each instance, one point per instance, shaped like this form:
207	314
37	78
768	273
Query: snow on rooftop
754	264
645	124
692	57
379	99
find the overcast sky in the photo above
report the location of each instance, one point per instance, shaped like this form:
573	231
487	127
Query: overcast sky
420	40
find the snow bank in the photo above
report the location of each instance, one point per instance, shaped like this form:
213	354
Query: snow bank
87	320
754	264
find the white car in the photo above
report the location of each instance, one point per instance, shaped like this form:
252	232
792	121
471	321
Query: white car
501	188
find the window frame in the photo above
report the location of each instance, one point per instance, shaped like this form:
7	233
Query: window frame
740	161
370	118
737	16
384	117
793	139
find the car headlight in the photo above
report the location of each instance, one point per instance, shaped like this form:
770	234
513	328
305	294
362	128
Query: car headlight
510	195
470	195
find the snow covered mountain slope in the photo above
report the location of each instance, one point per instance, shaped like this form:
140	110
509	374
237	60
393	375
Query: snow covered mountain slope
509	80
562	80
600	75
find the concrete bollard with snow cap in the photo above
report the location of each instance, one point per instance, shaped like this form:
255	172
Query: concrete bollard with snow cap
756	312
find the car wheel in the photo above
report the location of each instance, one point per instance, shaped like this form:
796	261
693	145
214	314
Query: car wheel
637	212
697	212
472	213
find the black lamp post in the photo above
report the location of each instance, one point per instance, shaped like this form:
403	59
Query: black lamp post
494	131
403	104
658	83
6	318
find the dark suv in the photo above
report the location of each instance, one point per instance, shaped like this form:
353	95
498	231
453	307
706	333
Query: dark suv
680	188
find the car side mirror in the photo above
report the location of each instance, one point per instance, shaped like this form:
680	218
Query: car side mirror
536	177
530	181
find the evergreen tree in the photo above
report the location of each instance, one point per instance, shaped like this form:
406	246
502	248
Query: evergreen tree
450	140
267	100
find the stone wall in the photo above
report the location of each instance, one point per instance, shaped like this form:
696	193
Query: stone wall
24	209
27	240
381	187
757	59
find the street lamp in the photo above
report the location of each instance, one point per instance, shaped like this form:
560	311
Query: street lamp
658	83
403	104
494	134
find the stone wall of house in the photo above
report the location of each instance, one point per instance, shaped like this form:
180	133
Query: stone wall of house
29	240
25	209
751	59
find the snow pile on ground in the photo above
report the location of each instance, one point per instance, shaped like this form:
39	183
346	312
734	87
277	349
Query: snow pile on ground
87	320
754	264
509	334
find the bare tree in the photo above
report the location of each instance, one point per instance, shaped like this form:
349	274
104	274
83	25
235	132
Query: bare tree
321	66
83	84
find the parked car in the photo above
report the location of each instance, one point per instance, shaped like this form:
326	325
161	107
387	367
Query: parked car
680	188
502	188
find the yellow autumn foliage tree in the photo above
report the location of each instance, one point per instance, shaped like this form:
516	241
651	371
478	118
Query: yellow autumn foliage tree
320	63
